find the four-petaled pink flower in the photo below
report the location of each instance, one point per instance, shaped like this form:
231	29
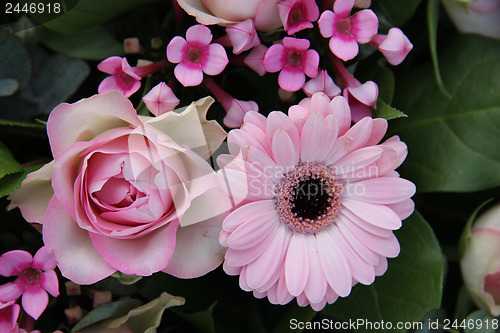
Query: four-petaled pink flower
243	36
35	276
294	60
123	77
321	83
347	31
195	56
317	202
297	15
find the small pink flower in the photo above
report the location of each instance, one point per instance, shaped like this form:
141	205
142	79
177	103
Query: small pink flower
243	36
255	59
294	60
321	83
195	56
317	202
8	316
347	31
36	276
395	46
297	15
123	77
160	99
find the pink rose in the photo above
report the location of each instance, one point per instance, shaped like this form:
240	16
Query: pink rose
123	195
265	13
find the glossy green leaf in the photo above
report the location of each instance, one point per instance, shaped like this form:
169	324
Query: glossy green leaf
106	311
94	43
410	288
8	163
15	60
386	111
400	11
452	142
89	13
12	181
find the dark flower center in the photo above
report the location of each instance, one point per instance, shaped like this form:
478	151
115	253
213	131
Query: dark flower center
344	26
309	198
194	54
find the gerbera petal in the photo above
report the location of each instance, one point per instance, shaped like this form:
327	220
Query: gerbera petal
343	46
361	270
334	264
284	152
384	246
297	264
378	131
364	25
14	262
365	225
251	232
343	113
238	258
351	164
312	139
383	190
250	211
213	59
377	215
316	286
188	73
404	208
35	301
283	296
368	255
354	138
279	121
267	267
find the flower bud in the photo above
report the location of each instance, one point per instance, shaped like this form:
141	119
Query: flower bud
481	261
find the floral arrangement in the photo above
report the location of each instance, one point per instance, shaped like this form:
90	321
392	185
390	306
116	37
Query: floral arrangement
249	165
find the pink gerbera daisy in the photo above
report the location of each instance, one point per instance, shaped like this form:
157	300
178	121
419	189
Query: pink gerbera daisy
316	202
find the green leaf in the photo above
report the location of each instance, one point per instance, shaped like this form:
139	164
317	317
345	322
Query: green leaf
8	87
91	44
107	311
15	62
410	288
386	111
481	322
400	11
126	279
432	25
202	320
12	182
462	245
89	13
8	164
18	127
432	321
451	142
